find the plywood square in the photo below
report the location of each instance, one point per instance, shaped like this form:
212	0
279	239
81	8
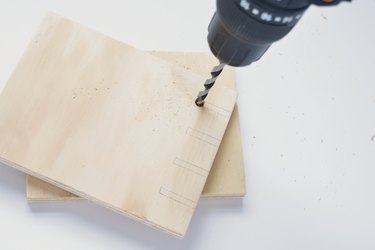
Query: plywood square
111	124
226	178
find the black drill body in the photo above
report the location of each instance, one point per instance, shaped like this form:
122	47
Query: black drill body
241	31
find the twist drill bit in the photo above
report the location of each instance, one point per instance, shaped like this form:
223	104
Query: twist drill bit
215	72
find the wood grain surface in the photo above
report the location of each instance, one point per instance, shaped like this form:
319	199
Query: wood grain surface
226	177
112	124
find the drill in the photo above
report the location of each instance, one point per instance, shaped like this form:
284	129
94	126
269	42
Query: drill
241	31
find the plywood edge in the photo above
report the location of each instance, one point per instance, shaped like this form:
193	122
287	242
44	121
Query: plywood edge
41	191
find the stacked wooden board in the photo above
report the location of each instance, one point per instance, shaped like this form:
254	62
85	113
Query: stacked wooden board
112	124
226	178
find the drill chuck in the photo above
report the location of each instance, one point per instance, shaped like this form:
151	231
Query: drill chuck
242	30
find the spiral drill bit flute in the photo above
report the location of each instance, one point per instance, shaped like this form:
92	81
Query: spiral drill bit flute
215	72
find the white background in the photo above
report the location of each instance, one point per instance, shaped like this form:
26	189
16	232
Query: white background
307	112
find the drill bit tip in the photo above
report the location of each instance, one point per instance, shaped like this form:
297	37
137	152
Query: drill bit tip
199	102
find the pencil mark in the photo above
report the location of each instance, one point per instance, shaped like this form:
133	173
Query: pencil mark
219	110
190	167
203	136
177	198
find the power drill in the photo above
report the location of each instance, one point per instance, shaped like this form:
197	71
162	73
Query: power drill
241	31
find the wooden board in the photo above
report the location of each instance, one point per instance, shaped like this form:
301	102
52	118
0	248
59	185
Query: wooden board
226	178
112	124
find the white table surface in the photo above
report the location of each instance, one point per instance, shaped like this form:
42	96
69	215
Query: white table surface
307	112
